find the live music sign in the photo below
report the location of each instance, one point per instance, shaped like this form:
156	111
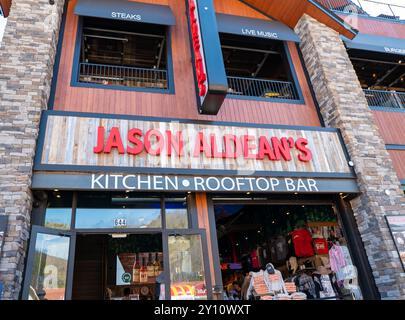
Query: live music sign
209	69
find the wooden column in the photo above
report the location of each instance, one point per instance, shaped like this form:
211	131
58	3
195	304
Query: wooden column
203	223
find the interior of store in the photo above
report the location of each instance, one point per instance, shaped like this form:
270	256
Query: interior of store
284	252
379	71
118	267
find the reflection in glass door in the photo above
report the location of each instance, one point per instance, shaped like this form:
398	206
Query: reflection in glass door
47	266
187	267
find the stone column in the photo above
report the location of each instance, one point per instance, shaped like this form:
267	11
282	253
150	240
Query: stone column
27	55
343	105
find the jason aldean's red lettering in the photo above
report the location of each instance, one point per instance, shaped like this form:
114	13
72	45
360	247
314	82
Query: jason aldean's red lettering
198	58
155	142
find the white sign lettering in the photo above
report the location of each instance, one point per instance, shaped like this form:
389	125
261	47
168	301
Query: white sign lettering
260	33
126	16
394	50
209	183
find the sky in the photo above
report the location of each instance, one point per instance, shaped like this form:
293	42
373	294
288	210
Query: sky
375	9
372	8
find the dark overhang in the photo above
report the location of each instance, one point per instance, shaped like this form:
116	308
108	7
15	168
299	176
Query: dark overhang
255	28
126	11
376	43
3	223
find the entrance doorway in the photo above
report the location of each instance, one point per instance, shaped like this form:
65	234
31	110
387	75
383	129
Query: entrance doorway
105	245
124	266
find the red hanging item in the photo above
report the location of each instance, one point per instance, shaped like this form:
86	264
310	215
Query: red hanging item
321	246
302	241
255	259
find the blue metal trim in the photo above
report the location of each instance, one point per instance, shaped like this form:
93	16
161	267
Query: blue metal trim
270	100
169	65
74	82
183	171
233	24
180	120
385	109
216	76
403	183
395	146
56	65
376	43
41	138
334	16
133	11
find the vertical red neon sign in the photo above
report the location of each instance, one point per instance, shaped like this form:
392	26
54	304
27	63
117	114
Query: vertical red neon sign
197	48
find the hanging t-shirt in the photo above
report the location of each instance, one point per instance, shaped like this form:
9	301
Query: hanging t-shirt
337	258
260	256
306	284
255	259
302	240
279	249
325	286
321	246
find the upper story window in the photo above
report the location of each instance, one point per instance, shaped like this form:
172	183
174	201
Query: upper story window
257	67
121	54
382	77
3	21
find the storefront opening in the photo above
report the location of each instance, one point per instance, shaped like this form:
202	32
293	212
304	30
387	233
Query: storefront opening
382	77
257	67
125	54
115	246
284	252
124	267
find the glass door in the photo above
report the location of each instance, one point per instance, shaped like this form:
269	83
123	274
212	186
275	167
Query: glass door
49	266
187	266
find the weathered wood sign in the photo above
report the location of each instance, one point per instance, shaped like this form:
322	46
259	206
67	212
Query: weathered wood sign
82	143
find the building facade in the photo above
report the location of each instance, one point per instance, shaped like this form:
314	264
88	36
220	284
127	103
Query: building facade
168	148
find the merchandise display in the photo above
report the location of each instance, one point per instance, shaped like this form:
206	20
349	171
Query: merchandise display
308	257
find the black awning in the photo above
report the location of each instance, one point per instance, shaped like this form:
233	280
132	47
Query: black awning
126	11
255	28
376	43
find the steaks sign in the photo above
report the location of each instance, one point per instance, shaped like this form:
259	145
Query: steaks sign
82	143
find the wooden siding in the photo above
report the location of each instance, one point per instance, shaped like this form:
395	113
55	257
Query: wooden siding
203	223
182	104
290	11
398	159
391	125
70	141
5	5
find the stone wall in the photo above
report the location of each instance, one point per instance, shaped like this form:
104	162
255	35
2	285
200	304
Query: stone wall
27	56
343	105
